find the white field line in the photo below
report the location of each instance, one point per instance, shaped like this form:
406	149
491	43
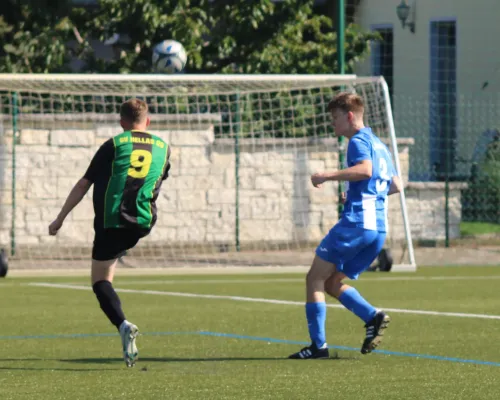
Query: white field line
295	280
260	300
434	278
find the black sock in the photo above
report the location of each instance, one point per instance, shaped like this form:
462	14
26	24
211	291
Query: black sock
109	301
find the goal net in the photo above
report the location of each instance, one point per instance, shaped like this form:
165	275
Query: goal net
243	149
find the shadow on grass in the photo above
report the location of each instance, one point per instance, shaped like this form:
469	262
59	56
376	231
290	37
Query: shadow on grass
112	361
55	369
197	359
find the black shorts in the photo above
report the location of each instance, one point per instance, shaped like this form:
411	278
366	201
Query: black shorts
113	243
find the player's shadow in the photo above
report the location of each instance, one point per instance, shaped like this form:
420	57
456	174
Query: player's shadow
194	359
21	368
56	369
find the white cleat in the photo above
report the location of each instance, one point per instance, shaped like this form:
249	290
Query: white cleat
129	333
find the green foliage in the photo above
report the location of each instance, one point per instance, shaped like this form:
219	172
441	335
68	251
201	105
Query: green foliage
35	35
481	200
224	36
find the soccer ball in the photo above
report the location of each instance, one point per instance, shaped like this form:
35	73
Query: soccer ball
169	57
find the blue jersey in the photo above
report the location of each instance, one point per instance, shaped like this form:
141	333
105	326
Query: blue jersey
366	203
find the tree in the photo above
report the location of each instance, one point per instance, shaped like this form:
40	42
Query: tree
220	36
481	199
241	36
35	34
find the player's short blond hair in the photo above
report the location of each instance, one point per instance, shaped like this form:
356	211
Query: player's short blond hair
134	111
347	102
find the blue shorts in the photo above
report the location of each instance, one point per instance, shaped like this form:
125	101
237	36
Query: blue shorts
351	249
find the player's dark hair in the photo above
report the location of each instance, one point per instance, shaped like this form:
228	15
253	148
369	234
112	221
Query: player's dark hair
347	102
134	111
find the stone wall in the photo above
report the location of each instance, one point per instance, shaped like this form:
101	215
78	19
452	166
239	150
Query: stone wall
278	207
426	205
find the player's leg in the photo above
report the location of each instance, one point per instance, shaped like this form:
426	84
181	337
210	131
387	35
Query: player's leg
102	274
363	244
108	246
316	310
333	249
376	321
349	297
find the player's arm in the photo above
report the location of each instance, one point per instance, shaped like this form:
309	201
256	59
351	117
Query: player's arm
359	172
167	165
83	185
359	156
74	197
396	185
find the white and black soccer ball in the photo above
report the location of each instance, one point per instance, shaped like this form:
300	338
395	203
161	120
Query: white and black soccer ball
169	57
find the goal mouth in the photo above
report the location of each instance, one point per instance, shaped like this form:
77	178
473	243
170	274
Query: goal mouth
243	150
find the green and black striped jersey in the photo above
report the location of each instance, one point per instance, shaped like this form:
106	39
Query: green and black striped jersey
127	172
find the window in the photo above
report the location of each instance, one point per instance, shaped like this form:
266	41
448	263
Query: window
383	55
443	102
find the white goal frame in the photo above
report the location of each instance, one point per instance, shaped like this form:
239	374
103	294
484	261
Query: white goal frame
118	84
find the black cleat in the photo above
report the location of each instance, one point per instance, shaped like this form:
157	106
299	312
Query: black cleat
374	332
311	352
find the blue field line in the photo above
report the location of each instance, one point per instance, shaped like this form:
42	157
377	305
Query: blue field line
346	348
261	339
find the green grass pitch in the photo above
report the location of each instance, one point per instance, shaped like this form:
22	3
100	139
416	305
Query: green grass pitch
55	343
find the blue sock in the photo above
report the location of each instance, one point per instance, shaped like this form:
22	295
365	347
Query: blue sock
353	301
316	317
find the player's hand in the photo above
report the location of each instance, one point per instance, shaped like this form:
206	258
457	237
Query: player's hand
55	226
343	197
317	180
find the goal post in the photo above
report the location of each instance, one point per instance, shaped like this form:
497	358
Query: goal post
243	148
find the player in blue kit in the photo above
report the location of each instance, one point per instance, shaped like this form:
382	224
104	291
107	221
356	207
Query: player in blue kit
355	241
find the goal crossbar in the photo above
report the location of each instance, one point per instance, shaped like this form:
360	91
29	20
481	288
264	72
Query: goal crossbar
119	84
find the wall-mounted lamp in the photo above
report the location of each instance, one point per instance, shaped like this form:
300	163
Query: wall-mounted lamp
403	11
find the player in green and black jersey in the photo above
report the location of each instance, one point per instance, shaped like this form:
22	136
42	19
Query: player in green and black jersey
127	172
